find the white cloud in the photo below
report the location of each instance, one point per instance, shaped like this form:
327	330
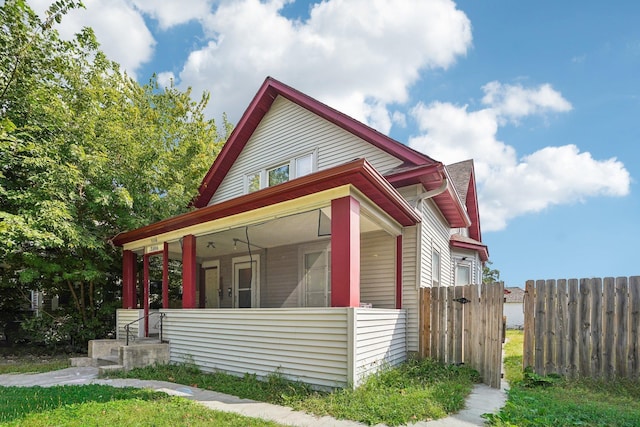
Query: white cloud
119	28
509	186
169	13
358	56
514	101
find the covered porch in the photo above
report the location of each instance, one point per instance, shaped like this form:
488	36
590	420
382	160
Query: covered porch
304	273
332	239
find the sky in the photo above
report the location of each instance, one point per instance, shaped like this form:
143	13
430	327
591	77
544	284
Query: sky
543	95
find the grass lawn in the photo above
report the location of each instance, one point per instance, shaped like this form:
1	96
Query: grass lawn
414	391
555	401
103	405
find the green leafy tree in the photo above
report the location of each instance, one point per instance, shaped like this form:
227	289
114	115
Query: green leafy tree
85	153
490	275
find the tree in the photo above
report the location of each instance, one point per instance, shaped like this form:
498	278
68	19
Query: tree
490	275
85	153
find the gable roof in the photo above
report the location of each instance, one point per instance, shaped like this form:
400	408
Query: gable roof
259	106
464	179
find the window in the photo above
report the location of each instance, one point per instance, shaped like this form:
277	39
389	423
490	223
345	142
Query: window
293	168
253	182
463	273
278	175
435	268
315	263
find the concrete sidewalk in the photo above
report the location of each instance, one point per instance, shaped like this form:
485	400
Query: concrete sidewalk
482	399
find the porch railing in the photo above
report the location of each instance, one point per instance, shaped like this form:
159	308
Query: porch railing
127	327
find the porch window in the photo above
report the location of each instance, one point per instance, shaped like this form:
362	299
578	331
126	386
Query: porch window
316	278
292	168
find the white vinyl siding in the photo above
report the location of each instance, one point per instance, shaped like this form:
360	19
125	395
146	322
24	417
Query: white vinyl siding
434	236
305	344
301	344
377	270
281	287
410	292
381	340
288	131
136	329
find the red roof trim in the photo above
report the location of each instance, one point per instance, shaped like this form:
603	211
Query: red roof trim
358	173
473	209
259	106
480	248
431	176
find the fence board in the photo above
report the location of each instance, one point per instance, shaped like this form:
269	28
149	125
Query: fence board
458	325
467	318
608	331
451	331
529	332
573	327
425	327
561	330
622	315
585	327
549	327
634	329
596	328
435	323
539	326
444	314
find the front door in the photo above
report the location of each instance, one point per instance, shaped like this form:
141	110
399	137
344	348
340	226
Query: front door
245	282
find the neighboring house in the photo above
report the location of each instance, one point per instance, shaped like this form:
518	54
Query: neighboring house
310	241
514	307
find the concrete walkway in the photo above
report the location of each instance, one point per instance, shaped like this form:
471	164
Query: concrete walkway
482	399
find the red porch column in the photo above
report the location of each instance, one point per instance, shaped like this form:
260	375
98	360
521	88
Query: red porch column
345	252
189	271
399	272
165	276
129	259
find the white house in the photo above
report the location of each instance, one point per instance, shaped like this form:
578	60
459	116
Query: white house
310	240
514	307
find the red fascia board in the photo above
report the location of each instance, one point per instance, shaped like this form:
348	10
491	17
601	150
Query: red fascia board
358	173
473	210
482	250
259	106
430	176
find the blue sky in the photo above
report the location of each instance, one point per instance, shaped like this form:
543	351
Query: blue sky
544	95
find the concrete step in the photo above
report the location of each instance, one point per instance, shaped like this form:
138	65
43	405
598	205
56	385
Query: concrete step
105	370
108	360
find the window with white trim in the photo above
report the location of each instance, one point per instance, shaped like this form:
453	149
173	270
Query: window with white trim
435	268
463	273
279	173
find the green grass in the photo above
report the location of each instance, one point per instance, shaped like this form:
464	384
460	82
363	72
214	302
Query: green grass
103	405
543	401
35	366
31	359
414	391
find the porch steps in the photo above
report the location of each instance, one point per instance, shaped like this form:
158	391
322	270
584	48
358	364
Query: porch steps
114	355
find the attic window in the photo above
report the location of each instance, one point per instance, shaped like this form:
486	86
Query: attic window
283	172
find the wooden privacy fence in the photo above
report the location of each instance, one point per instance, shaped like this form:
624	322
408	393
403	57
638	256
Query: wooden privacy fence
463	324
586	327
